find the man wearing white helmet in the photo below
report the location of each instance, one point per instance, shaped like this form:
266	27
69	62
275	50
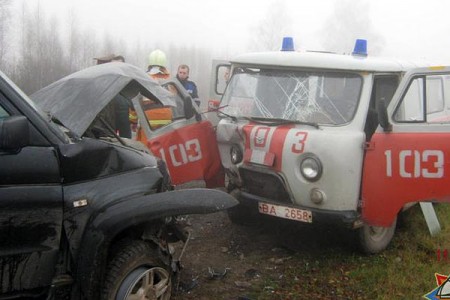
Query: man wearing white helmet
157	64
157	115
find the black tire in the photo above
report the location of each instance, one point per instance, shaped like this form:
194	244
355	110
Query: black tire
137	269
243	215
372	239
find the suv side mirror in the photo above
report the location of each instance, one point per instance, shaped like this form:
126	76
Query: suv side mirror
14	133
383	116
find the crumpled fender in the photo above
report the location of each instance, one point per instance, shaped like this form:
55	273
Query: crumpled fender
120	215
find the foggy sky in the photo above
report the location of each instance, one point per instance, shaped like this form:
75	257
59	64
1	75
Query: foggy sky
408	29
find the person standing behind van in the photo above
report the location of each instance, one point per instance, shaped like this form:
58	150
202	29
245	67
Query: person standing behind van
190	86
157	115
157	65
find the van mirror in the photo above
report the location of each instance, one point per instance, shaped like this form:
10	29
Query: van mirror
222	77
383	116
14	133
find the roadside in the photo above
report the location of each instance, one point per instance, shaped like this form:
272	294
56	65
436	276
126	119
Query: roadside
275	259
228	261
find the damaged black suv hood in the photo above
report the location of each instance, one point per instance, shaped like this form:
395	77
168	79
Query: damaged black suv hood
77	99
91	158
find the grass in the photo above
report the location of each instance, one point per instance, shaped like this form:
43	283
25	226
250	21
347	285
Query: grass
404	271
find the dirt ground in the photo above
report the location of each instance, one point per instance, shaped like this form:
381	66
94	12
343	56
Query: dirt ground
228	261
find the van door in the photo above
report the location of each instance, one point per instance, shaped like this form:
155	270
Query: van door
31	205
183	138
410	161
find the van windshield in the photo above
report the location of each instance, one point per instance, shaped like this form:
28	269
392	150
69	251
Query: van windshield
318	97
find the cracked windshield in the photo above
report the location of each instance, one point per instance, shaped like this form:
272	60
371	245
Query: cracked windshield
324	98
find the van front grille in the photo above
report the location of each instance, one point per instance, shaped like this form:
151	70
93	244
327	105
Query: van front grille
264	184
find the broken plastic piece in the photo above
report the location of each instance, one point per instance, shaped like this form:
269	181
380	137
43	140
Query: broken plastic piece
217	275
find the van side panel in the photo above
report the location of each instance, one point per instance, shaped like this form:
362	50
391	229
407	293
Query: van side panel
401	168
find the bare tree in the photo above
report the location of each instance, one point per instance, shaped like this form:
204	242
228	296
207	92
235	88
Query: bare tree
89	48
350	20
74	41
138	55
269	32
53	61
33	68
42	60
4	28
46	53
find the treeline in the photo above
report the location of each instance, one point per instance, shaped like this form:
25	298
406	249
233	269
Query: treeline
37	49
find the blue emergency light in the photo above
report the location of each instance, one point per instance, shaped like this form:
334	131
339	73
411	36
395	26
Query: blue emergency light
288	44
360	47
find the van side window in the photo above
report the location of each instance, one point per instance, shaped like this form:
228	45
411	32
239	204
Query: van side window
411	108
435	95
384	87
447	92
424	100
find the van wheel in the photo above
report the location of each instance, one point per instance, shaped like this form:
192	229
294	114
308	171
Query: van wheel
374	239
136	272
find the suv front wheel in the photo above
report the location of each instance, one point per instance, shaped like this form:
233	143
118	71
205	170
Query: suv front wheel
136	272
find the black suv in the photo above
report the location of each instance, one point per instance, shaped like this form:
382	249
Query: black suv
85	218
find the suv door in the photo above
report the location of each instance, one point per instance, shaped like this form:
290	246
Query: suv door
182	138
30	203
409	160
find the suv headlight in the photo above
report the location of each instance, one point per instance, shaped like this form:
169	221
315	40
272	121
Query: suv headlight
311	167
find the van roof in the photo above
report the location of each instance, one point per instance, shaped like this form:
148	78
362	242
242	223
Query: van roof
321	60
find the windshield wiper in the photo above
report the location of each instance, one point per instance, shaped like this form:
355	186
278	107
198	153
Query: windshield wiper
278	121
225	114
111	130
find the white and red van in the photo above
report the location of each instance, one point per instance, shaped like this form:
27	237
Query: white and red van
320	138
326	138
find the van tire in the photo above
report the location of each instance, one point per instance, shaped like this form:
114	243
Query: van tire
135	261
374	239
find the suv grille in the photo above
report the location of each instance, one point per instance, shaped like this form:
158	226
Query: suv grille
267	185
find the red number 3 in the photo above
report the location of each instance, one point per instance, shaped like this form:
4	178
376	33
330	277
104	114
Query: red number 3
299	146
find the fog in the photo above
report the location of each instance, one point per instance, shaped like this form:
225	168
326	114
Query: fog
195	32
415	28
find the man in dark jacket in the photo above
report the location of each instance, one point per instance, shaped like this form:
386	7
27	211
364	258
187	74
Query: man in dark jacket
190	86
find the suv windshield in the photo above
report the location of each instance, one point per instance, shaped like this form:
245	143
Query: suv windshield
317	97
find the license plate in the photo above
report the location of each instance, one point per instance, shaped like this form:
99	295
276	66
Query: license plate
290	213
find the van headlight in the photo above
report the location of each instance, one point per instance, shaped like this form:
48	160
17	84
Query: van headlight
311	167
236	154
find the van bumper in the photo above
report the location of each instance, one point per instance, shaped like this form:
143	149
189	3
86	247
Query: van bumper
345	218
